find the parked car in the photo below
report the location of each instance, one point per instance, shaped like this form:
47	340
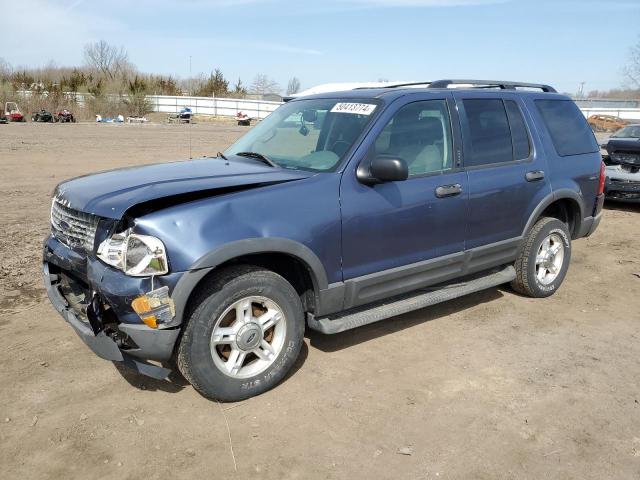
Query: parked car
13	113
623	164
335	211
605	123
64	116
185	115
42	116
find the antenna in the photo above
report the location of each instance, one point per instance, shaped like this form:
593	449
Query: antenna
190	119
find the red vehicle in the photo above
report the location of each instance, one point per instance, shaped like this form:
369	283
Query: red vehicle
243	119
13	113
64	116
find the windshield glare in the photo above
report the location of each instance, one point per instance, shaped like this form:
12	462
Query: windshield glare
308	134
631	131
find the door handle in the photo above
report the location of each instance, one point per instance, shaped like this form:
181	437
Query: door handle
535	175
448	190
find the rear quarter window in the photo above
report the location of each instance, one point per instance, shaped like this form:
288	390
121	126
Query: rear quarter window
569	130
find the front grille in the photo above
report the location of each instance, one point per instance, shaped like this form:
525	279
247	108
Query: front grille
72	227
620	181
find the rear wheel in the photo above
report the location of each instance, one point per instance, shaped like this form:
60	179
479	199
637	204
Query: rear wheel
244	334
544	259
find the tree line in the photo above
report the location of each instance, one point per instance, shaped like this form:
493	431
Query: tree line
108	70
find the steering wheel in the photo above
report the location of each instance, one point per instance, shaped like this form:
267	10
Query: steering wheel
340	147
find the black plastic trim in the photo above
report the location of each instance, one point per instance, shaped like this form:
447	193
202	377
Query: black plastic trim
396	281
250	246
554	196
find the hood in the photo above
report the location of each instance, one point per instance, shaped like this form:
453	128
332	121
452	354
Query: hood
628	144
110	194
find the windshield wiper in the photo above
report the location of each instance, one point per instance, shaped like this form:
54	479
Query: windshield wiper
221	155
258	156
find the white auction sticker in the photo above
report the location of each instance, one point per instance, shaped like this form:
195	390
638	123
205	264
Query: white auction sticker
357	108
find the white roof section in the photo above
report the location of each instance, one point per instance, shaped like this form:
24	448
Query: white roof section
343	86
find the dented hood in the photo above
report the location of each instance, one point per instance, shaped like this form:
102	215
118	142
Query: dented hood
621	143
110	194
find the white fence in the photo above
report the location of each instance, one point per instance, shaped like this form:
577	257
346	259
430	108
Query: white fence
229	107
223	107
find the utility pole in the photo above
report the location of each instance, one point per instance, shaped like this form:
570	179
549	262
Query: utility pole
581	91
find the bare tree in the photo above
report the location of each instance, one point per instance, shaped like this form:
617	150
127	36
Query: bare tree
632	69
5	69
263	85
109	61
293	86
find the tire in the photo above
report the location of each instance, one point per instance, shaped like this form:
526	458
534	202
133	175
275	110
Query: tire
220	305
534	259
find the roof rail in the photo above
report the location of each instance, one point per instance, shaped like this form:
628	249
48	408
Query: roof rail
490	84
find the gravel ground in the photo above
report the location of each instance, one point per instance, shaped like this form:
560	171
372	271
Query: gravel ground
490	386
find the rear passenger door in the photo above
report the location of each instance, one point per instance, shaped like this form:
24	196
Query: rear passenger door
506	173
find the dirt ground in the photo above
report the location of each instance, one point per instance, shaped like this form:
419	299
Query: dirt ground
491	386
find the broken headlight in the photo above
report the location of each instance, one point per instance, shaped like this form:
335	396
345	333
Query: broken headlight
136	255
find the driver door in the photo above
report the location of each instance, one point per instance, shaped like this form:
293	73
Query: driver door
401	236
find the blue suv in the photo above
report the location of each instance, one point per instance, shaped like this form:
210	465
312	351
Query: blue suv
336	211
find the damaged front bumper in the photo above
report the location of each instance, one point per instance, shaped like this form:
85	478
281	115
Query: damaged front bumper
623	183
96	301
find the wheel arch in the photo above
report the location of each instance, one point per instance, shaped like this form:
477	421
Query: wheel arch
290	259
565	205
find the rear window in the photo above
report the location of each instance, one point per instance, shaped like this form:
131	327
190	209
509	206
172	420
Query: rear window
569	130
490	134
497	132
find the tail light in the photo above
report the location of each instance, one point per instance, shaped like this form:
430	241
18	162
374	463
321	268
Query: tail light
602	179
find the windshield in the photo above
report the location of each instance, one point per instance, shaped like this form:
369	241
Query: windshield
631	131
307	134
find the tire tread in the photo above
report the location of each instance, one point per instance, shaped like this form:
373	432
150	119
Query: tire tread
521	283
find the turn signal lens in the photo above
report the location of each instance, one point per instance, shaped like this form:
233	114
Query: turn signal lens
150	321
155	308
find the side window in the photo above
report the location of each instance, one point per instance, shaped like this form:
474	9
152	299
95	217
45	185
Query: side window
420	134
570	132
490	133
519	135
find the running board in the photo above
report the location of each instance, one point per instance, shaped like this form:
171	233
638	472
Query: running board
330	325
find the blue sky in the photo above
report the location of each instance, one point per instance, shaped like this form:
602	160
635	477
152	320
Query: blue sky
561	42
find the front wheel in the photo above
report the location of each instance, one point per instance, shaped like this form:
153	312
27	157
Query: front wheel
543	261
244	334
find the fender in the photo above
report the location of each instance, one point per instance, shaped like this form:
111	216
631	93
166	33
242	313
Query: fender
563	193
248	246
229	251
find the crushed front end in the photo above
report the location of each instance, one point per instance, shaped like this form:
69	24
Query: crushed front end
120	317
623	169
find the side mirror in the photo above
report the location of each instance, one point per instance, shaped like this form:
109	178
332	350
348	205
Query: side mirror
386	168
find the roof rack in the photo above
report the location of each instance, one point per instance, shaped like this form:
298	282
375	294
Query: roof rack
478	84
492	84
